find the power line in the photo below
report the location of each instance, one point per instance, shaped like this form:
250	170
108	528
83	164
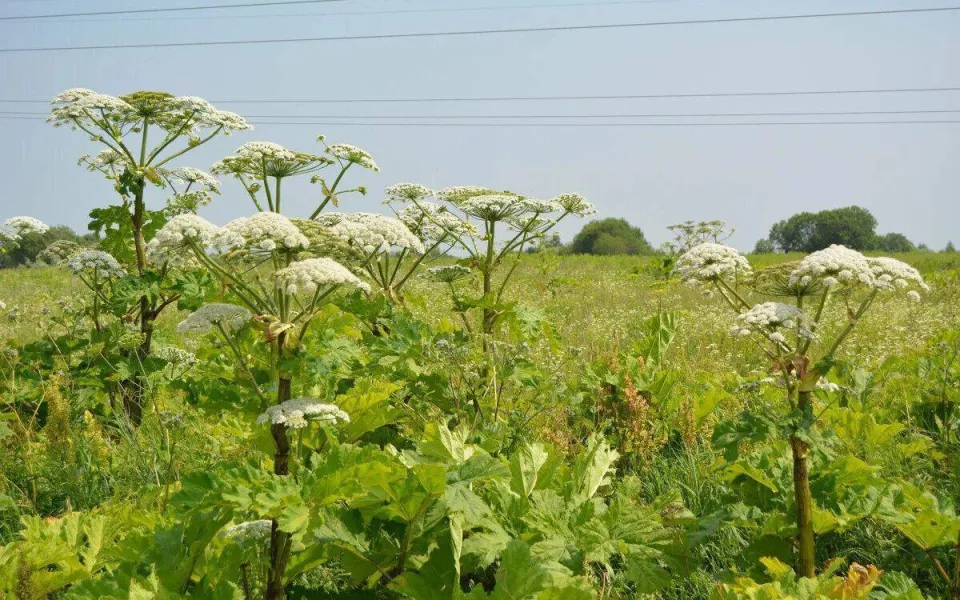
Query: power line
160	10
587	116
545	98
475	32
388	12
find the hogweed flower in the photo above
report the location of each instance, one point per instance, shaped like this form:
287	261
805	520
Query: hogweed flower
208	317
446	273
407	192
26	225
769	318
95	262
267	231
352	154
58	252
313	273
374	233
187	229
432	222
297	413
192	176
257	532
832	266
176	356
710	262
890	273
575	204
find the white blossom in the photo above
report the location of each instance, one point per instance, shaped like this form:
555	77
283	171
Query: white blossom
267	231
914	295
352	154
296	413
373	233
407	192
72	95
446	273
177	356
432	222
459	193
710	261
95	261
187	229
26	225
105	160
890	273
189	175
249	531
310	274
89	107
495	207
837	263
768	317
575	204
206	318
265	151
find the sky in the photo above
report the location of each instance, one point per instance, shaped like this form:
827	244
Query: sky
750	176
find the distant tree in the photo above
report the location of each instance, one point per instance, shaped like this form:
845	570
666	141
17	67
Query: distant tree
551	242
31	245
923	248
764	246
852	226
894	242
610	236
949	247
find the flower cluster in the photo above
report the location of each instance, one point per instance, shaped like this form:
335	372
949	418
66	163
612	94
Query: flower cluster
25	225
206	115
58	252
106	161
495	207
191	177
96	262
458	193
834	266
710	262
177	356
575	204
890	273
266	231
407	192
310	274
768	317
296	413
374	233
208	317
249	531
85	106
352	154
432	222
186	229
446	273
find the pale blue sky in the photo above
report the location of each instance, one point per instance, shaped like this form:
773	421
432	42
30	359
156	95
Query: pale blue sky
906	175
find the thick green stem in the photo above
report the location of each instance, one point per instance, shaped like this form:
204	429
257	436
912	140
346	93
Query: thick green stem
806	556
279	540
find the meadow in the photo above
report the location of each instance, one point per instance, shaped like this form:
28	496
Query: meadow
343	405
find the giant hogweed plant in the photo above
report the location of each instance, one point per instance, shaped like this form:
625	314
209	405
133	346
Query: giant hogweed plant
793	336
141	133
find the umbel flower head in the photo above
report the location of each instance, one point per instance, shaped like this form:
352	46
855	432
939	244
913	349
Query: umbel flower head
407	192
345	153
177	356
710	262
260	160
833	266
58	252
267	231
24	226
575	204
371	232
208	317
892	274
446	273
184	230
249	532
503	207
313	273
770	317
297	413
193	178
432	222
95	262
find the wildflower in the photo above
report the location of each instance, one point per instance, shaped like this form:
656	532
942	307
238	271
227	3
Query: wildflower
457	194
914	295
890	273
130	338
770	316
446	273
88	107
310	274
500	207
838	264
177	356
267	231
105	160
26	225
432	222
709	262
98	262
187	229
58	252
353	155
296	413
249	531
230	317
72	95
372	232
407	192
575	204
191	176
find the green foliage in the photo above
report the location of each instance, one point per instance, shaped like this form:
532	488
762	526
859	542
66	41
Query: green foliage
851	226
609	237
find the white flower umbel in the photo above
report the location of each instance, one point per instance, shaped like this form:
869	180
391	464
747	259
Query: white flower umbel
446	273
890	273
836	265
265	151
314	273
193	177
256	532
373	233
26	225
107	161
58	252
176	356
188	229
267	231
297	413
494	207
89	107
575	204
407	192
768	318
346	153
710	262
72	95
433	223
459	193
96	262
208	317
